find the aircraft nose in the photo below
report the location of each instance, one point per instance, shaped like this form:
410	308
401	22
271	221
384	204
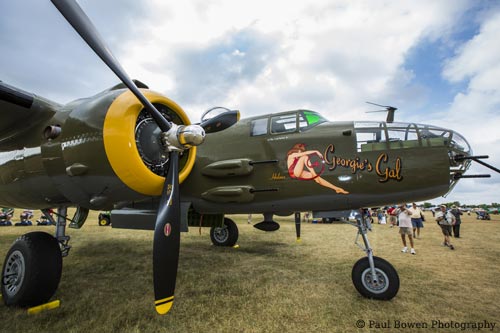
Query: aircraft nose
458	147
458	151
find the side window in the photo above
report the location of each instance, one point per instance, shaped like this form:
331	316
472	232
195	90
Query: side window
284	123
258	127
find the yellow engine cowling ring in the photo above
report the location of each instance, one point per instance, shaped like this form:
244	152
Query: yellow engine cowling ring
121	148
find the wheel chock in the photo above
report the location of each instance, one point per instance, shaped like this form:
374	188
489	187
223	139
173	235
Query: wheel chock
43	307
236	246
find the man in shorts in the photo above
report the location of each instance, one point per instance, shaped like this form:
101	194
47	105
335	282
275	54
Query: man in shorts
445	220
416	220
405	227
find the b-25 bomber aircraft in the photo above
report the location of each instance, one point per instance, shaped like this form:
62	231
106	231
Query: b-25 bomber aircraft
128	149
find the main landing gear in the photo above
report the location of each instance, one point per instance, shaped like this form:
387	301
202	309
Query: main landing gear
373	277
33	265
227	235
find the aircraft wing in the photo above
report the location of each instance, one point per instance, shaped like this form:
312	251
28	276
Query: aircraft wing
20	111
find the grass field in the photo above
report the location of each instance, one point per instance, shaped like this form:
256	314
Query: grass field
269	284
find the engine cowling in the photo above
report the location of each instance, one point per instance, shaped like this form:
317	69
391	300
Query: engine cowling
130	135
94	153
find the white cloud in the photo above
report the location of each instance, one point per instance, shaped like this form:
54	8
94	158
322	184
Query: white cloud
475	112
476	55
334	54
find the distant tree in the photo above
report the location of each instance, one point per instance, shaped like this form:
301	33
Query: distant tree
428	205
449	204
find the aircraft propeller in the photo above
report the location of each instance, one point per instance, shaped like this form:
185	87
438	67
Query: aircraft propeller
176	138
389	109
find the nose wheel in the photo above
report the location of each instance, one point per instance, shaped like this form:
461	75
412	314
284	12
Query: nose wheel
383	286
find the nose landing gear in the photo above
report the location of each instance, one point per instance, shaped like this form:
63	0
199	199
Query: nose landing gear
373	277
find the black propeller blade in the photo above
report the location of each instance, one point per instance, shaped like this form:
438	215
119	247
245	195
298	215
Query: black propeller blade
82	24
167	228
167	239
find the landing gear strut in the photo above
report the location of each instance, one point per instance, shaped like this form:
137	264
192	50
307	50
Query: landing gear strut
61	231
373	277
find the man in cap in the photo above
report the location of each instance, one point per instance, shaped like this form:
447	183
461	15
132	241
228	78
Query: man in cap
458	220
445	220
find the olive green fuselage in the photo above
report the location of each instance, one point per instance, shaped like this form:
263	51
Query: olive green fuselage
371	178
243	169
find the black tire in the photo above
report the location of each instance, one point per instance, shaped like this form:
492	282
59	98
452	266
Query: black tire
32	270
226	235
388	278
104	220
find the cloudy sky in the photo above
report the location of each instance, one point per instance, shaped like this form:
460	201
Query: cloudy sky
437	61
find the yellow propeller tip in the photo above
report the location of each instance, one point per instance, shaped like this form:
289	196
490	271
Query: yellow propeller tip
164	305
43	307
164	308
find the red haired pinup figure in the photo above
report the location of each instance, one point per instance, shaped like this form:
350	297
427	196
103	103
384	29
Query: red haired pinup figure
301	167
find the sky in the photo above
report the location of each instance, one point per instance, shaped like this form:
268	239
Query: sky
438	62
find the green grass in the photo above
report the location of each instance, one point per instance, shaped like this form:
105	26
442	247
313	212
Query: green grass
269	284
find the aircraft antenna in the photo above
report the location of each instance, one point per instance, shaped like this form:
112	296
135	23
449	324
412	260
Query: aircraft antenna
389	109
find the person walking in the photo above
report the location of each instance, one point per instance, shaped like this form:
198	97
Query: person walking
416	220
458	221
445	220
392	216
405	228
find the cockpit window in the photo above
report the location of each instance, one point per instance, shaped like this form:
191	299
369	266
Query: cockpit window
259	127
284	123
372	136
308	119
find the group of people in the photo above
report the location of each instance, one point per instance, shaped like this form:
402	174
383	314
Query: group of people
410	221
6	215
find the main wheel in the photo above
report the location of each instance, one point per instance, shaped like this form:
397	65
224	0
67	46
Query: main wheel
226	235
386	285
32	270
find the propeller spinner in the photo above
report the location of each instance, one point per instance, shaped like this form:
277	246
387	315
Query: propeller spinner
175	139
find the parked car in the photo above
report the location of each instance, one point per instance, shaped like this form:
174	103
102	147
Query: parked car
482	215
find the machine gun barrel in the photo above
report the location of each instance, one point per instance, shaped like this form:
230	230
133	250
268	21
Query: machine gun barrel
460	176
459	158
